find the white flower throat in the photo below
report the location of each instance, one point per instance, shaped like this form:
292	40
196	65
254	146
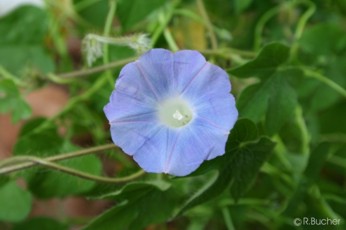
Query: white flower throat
175	112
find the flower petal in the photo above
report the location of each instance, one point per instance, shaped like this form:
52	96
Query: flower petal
210	80
152	154
132	136
195	145
187	66
131	82
123	106
130	120
179	152
218	112
156	67
151	76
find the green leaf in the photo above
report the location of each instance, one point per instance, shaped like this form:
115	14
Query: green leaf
273	98
12	102
139	204
316	161
281	105
244	130
330	57
333	119
266	63
22	41
313	94
93	12
42	144
15	202
237	168
323	96
131	12
16	58
42	223
253	101
313	39
25	25
311	174
4	179
21	111
246	163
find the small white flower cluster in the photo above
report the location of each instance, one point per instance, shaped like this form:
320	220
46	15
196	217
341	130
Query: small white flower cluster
92	44
92	48
140	43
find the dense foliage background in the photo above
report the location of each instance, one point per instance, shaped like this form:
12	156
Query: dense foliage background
285	158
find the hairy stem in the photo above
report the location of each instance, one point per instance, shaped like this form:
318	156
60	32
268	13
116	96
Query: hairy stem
74	172
85	72
21	166
19	163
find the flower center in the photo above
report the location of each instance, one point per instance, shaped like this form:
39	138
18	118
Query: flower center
175	112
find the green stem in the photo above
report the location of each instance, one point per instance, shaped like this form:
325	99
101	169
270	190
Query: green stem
106	33
226	52
66	77
245	201
162	25
205	16
305	137
325	80
280	152
304	18
261	23
340	161
7	75
301	25
74	172
334	138
227	217
189	14
320	205
318	76
275	172
59	157
23	162
167	34
170	40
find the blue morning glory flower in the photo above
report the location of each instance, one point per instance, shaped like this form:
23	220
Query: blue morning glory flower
171	111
